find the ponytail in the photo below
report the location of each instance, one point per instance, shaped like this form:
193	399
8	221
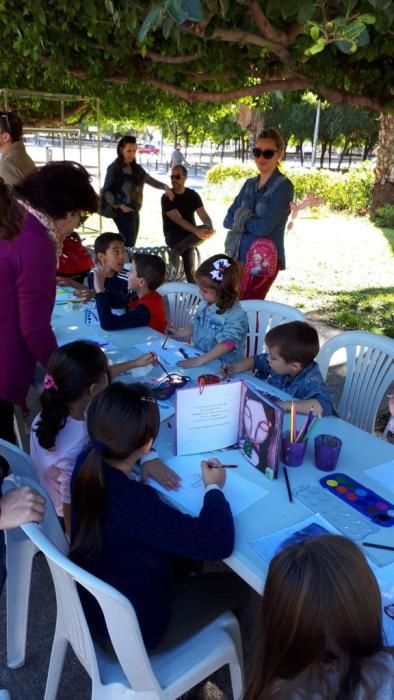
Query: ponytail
11	215
88	504
72	369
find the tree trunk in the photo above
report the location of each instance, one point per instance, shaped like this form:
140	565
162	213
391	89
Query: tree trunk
323	153
301	153
341	157
329	155
383	189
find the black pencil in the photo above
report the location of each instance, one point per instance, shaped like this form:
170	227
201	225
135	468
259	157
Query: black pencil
378	546
290	495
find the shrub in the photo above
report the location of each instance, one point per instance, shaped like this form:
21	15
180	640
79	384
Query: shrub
384	216
350	192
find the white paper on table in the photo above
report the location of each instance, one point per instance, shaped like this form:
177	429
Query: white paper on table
167	409
208	419
170	354
385	579
384	474
240	492
268	545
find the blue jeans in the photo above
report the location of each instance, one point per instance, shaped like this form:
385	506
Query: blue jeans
128	225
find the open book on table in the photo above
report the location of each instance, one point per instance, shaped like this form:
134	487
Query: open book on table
230	414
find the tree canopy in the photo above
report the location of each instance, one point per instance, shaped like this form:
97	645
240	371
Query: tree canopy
136	56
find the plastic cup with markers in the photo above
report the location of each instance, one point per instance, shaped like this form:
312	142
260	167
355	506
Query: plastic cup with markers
293	451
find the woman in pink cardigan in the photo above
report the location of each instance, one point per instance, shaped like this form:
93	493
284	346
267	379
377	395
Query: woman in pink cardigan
35	218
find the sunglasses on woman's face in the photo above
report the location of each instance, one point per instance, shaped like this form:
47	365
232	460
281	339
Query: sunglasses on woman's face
267	153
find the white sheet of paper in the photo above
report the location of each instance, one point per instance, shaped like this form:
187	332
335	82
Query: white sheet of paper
268	545
167	409
384	474
171	354
240	492
207	420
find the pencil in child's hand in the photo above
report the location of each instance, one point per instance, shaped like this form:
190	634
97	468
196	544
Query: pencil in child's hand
165	341
213	465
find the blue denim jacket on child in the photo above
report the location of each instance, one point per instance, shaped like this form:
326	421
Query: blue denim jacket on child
307	384
211	328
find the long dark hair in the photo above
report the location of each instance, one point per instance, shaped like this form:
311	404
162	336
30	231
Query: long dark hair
321	603
56	189
227	288
121	420
73	368
11	213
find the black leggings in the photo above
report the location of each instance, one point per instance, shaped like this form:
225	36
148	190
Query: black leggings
7	421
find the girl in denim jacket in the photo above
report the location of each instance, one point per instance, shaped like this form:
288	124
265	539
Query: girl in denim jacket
220	324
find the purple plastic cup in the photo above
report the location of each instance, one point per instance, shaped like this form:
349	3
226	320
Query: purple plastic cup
327	449
293	453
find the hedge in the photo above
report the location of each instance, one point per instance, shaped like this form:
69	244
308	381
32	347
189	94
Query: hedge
350	192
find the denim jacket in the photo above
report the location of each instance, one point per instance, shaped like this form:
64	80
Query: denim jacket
210	328
307	384
270	205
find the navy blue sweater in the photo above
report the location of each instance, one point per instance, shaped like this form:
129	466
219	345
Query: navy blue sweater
116	290
140	533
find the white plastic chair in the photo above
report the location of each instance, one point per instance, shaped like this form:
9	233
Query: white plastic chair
19	560
369	362
182	300
262	316
133	674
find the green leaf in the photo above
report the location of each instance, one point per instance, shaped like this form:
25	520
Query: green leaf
273	9
346	46
367	19
167	26
315	32
175	9
144	51
306	12
193	9
109	6
150	21
363	39
316	48
288	8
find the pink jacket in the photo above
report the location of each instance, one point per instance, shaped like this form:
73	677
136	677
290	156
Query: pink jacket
27	293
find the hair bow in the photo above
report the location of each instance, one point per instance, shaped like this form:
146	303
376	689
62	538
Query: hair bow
218	269
49	382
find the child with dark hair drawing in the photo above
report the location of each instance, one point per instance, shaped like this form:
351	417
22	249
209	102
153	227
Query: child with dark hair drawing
220	324
320	628
290	365
146	307
76	373
124	533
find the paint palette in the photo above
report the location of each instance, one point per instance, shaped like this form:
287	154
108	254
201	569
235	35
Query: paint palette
348	521
360	497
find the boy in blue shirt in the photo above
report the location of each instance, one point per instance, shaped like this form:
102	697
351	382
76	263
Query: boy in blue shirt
290	365
109	250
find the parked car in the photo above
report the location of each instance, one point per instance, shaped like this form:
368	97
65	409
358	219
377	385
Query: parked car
149	149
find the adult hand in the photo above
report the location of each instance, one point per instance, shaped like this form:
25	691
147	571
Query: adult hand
203	233
169	193
99	279
227	370
191	362
211	475
125	208
24	505
159	471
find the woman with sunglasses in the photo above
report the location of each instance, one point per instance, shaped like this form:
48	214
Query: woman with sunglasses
122	192
262	207
35	218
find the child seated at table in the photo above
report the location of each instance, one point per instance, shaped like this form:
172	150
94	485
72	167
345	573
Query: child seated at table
146	307
220	324
109	249
124	533
290	365
76	372
320	627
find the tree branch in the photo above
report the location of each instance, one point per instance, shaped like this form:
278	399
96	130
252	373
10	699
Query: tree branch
194	96
374	103
265	27
159	58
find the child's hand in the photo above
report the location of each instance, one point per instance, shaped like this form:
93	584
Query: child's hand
192	362
210	475
227	370
99	278
149	358
164	476
85	294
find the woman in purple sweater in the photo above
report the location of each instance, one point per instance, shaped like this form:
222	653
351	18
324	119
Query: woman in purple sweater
35	218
